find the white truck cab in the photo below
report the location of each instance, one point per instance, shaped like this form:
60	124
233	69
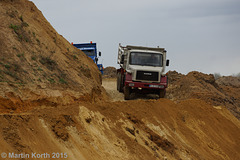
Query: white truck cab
142	69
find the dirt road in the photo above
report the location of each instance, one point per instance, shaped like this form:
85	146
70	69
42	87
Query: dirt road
110	86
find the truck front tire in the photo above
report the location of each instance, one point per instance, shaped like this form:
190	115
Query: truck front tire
119	82
162	93
127	93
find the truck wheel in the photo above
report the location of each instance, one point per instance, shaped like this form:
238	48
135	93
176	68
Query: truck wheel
119	82
126	93
162	93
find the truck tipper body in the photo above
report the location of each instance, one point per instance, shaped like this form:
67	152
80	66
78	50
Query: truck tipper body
90	49
141	70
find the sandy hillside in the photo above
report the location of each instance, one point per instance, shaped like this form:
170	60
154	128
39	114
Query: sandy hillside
52	104
38	63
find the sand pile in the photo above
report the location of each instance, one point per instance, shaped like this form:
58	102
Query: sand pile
110	72
223	92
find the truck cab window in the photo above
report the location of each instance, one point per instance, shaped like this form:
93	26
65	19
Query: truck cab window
89	52
146	59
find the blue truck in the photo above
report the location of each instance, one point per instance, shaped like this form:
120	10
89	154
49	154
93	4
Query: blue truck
90	49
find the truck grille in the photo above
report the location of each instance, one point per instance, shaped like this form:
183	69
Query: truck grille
147	76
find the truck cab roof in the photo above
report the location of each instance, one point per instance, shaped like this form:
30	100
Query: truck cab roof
145	48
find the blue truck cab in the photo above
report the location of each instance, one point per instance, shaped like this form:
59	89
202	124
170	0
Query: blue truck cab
90	49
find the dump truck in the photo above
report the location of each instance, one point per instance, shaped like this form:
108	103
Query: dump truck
142	70
90	49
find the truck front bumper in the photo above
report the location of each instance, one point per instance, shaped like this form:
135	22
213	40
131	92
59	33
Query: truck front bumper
145	85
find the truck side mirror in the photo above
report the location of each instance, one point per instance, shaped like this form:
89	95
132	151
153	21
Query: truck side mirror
96	60
122	59
167	62
99	54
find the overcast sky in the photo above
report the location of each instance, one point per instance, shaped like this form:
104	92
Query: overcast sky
199	35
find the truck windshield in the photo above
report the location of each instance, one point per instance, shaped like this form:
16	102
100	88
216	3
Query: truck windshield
146	59
89	52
